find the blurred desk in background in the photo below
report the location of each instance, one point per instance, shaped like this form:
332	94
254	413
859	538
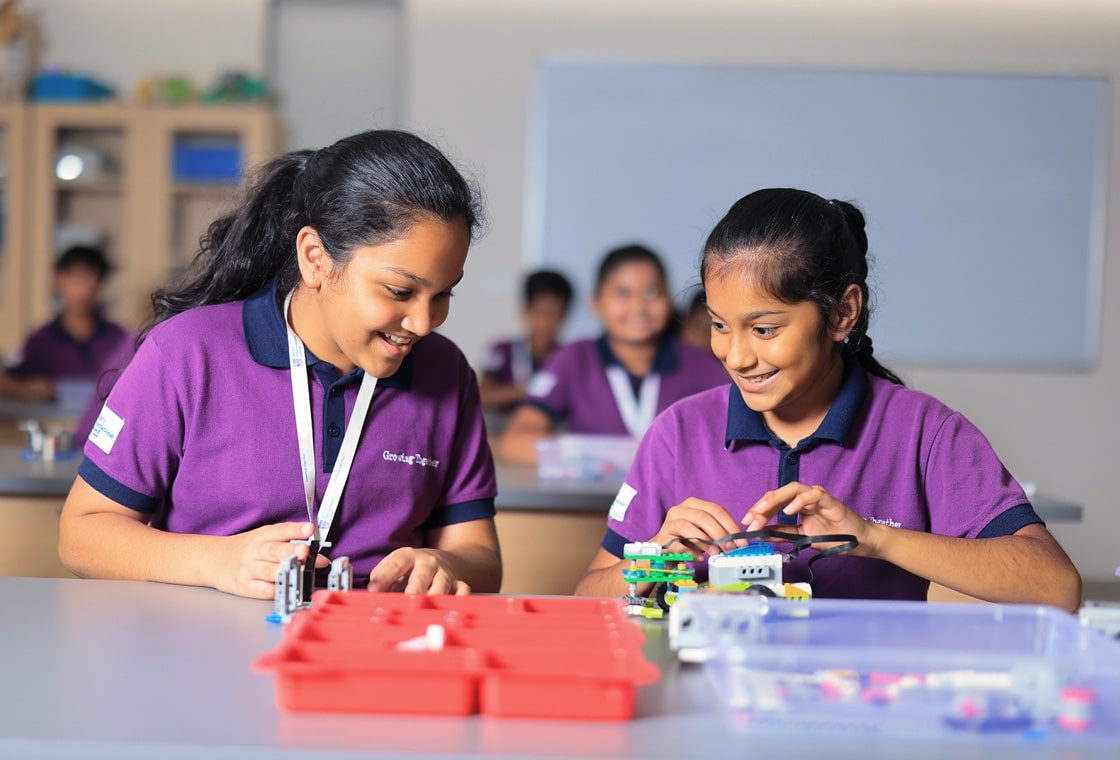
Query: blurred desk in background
32	492
63	414
549	529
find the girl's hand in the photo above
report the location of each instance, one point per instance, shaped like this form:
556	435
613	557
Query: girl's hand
696	518
821	513
250	561
416	571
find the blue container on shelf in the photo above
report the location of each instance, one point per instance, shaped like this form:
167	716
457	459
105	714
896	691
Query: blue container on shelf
206	162
60	85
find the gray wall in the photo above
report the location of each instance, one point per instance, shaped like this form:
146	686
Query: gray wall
123	42
335	67
468	83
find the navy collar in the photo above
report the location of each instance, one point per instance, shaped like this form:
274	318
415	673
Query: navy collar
267	338
664	362
745	424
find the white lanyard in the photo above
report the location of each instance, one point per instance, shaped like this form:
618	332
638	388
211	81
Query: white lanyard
637	414
301	397
520	363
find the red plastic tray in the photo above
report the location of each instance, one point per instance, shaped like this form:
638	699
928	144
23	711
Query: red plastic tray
502	656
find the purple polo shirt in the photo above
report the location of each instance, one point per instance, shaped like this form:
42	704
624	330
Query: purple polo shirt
107	377
52	352
500	360
207	442
573	386
892	454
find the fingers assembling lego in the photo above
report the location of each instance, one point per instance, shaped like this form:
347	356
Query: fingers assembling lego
254	558
415	571
820	513
696	518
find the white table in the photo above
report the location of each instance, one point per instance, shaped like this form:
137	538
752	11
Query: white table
122	670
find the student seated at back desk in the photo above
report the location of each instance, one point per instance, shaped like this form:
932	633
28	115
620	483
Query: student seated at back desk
511	363
616	384
72	347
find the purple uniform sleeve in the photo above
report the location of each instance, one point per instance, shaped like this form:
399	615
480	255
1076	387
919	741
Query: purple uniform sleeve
137	439
498	363
966	483
471	487
107	377
645	497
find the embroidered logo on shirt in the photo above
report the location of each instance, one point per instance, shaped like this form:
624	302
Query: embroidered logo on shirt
410	459
106	429
542	384
621	502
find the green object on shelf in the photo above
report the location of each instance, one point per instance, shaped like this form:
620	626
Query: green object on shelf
237	88
175	90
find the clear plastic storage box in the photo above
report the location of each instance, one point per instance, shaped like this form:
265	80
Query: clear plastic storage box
585	457
1020	672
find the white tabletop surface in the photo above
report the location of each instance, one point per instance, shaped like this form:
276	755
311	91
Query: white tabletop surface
116	669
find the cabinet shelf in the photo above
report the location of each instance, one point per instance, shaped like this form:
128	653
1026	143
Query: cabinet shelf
104	185
148	218
204	188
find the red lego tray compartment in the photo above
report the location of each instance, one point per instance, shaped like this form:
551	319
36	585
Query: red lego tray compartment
387	681
588	681
501	656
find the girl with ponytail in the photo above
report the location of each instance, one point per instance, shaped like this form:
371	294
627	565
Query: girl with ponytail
817	437
290	393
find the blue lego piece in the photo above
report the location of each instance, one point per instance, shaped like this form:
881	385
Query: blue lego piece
753	549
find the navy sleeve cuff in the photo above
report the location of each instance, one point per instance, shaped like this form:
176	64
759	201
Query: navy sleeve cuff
467	511
1009	521
615	543
111	489
537	404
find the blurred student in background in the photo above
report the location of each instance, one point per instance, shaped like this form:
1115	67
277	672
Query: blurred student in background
696	323
74	345
510	363
617	383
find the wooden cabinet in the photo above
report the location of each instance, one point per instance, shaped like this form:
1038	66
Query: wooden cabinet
113	173
29	546
183	206
13	288
95	198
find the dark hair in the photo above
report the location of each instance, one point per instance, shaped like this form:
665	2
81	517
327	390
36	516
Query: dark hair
83	256
799	247
698	303
546	282
627	254
366	189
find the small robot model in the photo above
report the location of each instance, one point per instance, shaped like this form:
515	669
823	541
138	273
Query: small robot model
295	582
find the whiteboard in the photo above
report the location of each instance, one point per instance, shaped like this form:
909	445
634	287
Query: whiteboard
984	194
